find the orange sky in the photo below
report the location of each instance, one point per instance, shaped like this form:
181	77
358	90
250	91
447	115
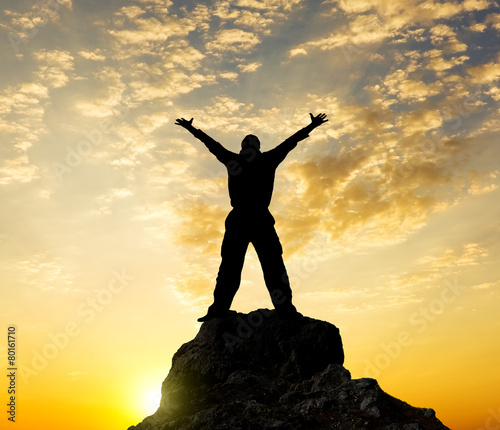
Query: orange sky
113	217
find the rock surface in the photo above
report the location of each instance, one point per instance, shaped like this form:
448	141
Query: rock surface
256	371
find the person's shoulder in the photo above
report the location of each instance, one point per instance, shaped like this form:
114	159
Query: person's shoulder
272	153
269	153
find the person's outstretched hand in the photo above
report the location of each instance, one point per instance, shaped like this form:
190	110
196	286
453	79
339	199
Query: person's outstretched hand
318	119
184	122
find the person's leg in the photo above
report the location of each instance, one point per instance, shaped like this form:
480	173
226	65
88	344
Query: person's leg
233	250
269	250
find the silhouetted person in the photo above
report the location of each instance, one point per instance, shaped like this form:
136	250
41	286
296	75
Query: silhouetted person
251	180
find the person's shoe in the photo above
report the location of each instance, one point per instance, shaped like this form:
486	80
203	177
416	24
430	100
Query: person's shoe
288	312
211	315
290	316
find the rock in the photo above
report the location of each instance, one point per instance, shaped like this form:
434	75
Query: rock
257	371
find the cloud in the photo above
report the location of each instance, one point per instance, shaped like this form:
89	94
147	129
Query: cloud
257	16
439	10
478	27
421	121
254	21
24	25
233	40
232	76
95	55
433	272
18	170
407	89
494	20
193	286
480	185
438	63
147	28
372	21
486	286
445	36
264	7
54	66
252	67
149	31
21	124
23	98
352	202
471	254
182	55
104	95
361	30
356	7
171	85
485	73
104	203
297	51
67	3
43	274
430	271
204	234
149	123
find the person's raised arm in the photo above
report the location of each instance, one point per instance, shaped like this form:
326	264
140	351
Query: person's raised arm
316	121
188	125
282	150
222	154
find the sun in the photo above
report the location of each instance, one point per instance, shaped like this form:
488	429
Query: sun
151	400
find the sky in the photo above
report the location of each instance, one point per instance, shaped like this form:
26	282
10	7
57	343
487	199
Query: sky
112	216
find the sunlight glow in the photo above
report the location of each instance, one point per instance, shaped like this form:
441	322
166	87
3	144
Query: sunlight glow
151	400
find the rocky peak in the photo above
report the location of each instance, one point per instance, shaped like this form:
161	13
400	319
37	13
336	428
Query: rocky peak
257	371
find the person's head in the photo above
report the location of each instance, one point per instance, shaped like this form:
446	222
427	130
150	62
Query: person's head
250	141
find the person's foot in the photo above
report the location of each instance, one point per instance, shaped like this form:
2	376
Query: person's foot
289	314
211	315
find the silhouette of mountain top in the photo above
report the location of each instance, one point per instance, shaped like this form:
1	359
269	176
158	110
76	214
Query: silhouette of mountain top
257	371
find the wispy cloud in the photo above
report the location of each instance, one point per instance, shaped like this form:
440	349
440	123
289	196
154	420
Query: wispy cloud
43	273
402	288
372	22
21	124
54	67
233	40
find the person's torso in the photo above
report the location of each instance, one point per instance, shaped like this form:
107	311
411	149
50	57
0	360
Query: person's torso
251	180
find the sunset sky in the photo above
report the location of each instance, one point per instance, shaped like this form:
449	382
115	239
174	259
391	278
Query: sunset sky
112	217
